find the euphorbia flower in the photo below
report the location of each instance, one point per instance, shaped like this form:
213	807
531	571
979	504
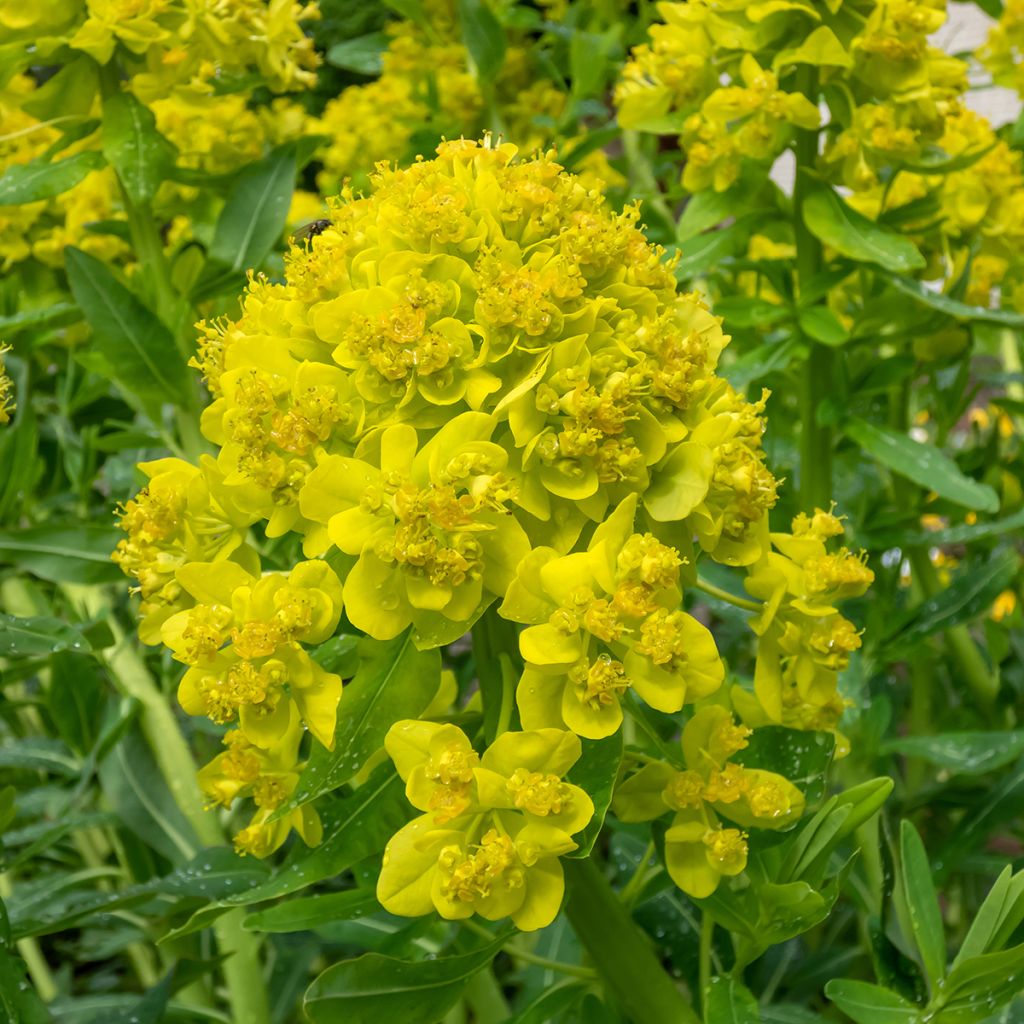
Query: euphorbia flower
699	850
602	621
432	530
494	828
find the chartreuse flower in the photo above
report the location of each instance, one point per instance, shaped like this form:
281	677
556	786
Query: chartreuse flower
803	640
699	850
184	514
242	640
499	288
493	827
602	621
431	528
268	776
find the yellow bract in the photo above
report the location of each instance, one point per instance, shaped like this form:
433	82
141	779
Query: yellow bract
804	642
6	405
602	621
494	824
699	850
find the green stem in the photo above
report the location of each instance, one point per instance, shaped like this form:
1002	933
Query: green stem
707	934
815	438
495	653
983	683
30	951
243	973
631	890
725	595
620	950
646	183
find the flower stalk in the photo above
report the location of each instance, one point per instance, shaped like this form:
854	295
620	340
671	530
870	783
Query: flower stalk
620	951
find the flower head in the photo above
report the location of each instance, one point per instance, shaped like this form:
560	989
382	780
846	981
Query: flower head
494	824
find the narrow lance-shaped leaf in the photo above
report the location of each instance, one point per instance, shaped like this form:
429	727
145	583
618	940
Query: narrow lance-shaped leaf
254	216
133	146
44	179
922	904
870	1004
394	681
372	988
851	234
138	349
924	464
62	553
597	772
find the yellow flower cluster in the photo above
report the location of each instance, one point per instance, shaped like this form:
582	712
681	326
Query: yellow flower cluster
699	850
803	640
1003	51
602	621
673	85
476	358
42	229
726	78
240	633
493	827
478	386
428	86
191	43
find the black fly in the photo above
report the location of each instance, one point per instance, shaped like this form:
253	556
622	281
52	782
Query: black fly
311	230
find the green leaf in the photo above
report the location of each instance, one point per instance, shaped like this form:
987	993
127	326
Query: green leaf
362	55
962	753
132	145
372	988
922	904
19	1003
800	756
38	635
62	553
821	324
394	681
962	533
995	805
40	754
970	594
60	314
996	919
355	827
484	37
832	221
978	987
44	179
254	216
821	48
138	348
952	307
74	699
870	1004
596	772
134	787
551	1005
310	912
730	1002
702	253
746	311
924	464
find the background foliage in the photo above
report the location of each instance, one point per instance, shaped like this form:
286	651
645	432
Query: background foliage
878	296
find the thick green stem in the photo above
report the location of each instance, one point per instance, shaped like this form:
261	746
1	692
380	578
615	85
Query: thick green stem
242	970
981	680
707	935
815	438
620	951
